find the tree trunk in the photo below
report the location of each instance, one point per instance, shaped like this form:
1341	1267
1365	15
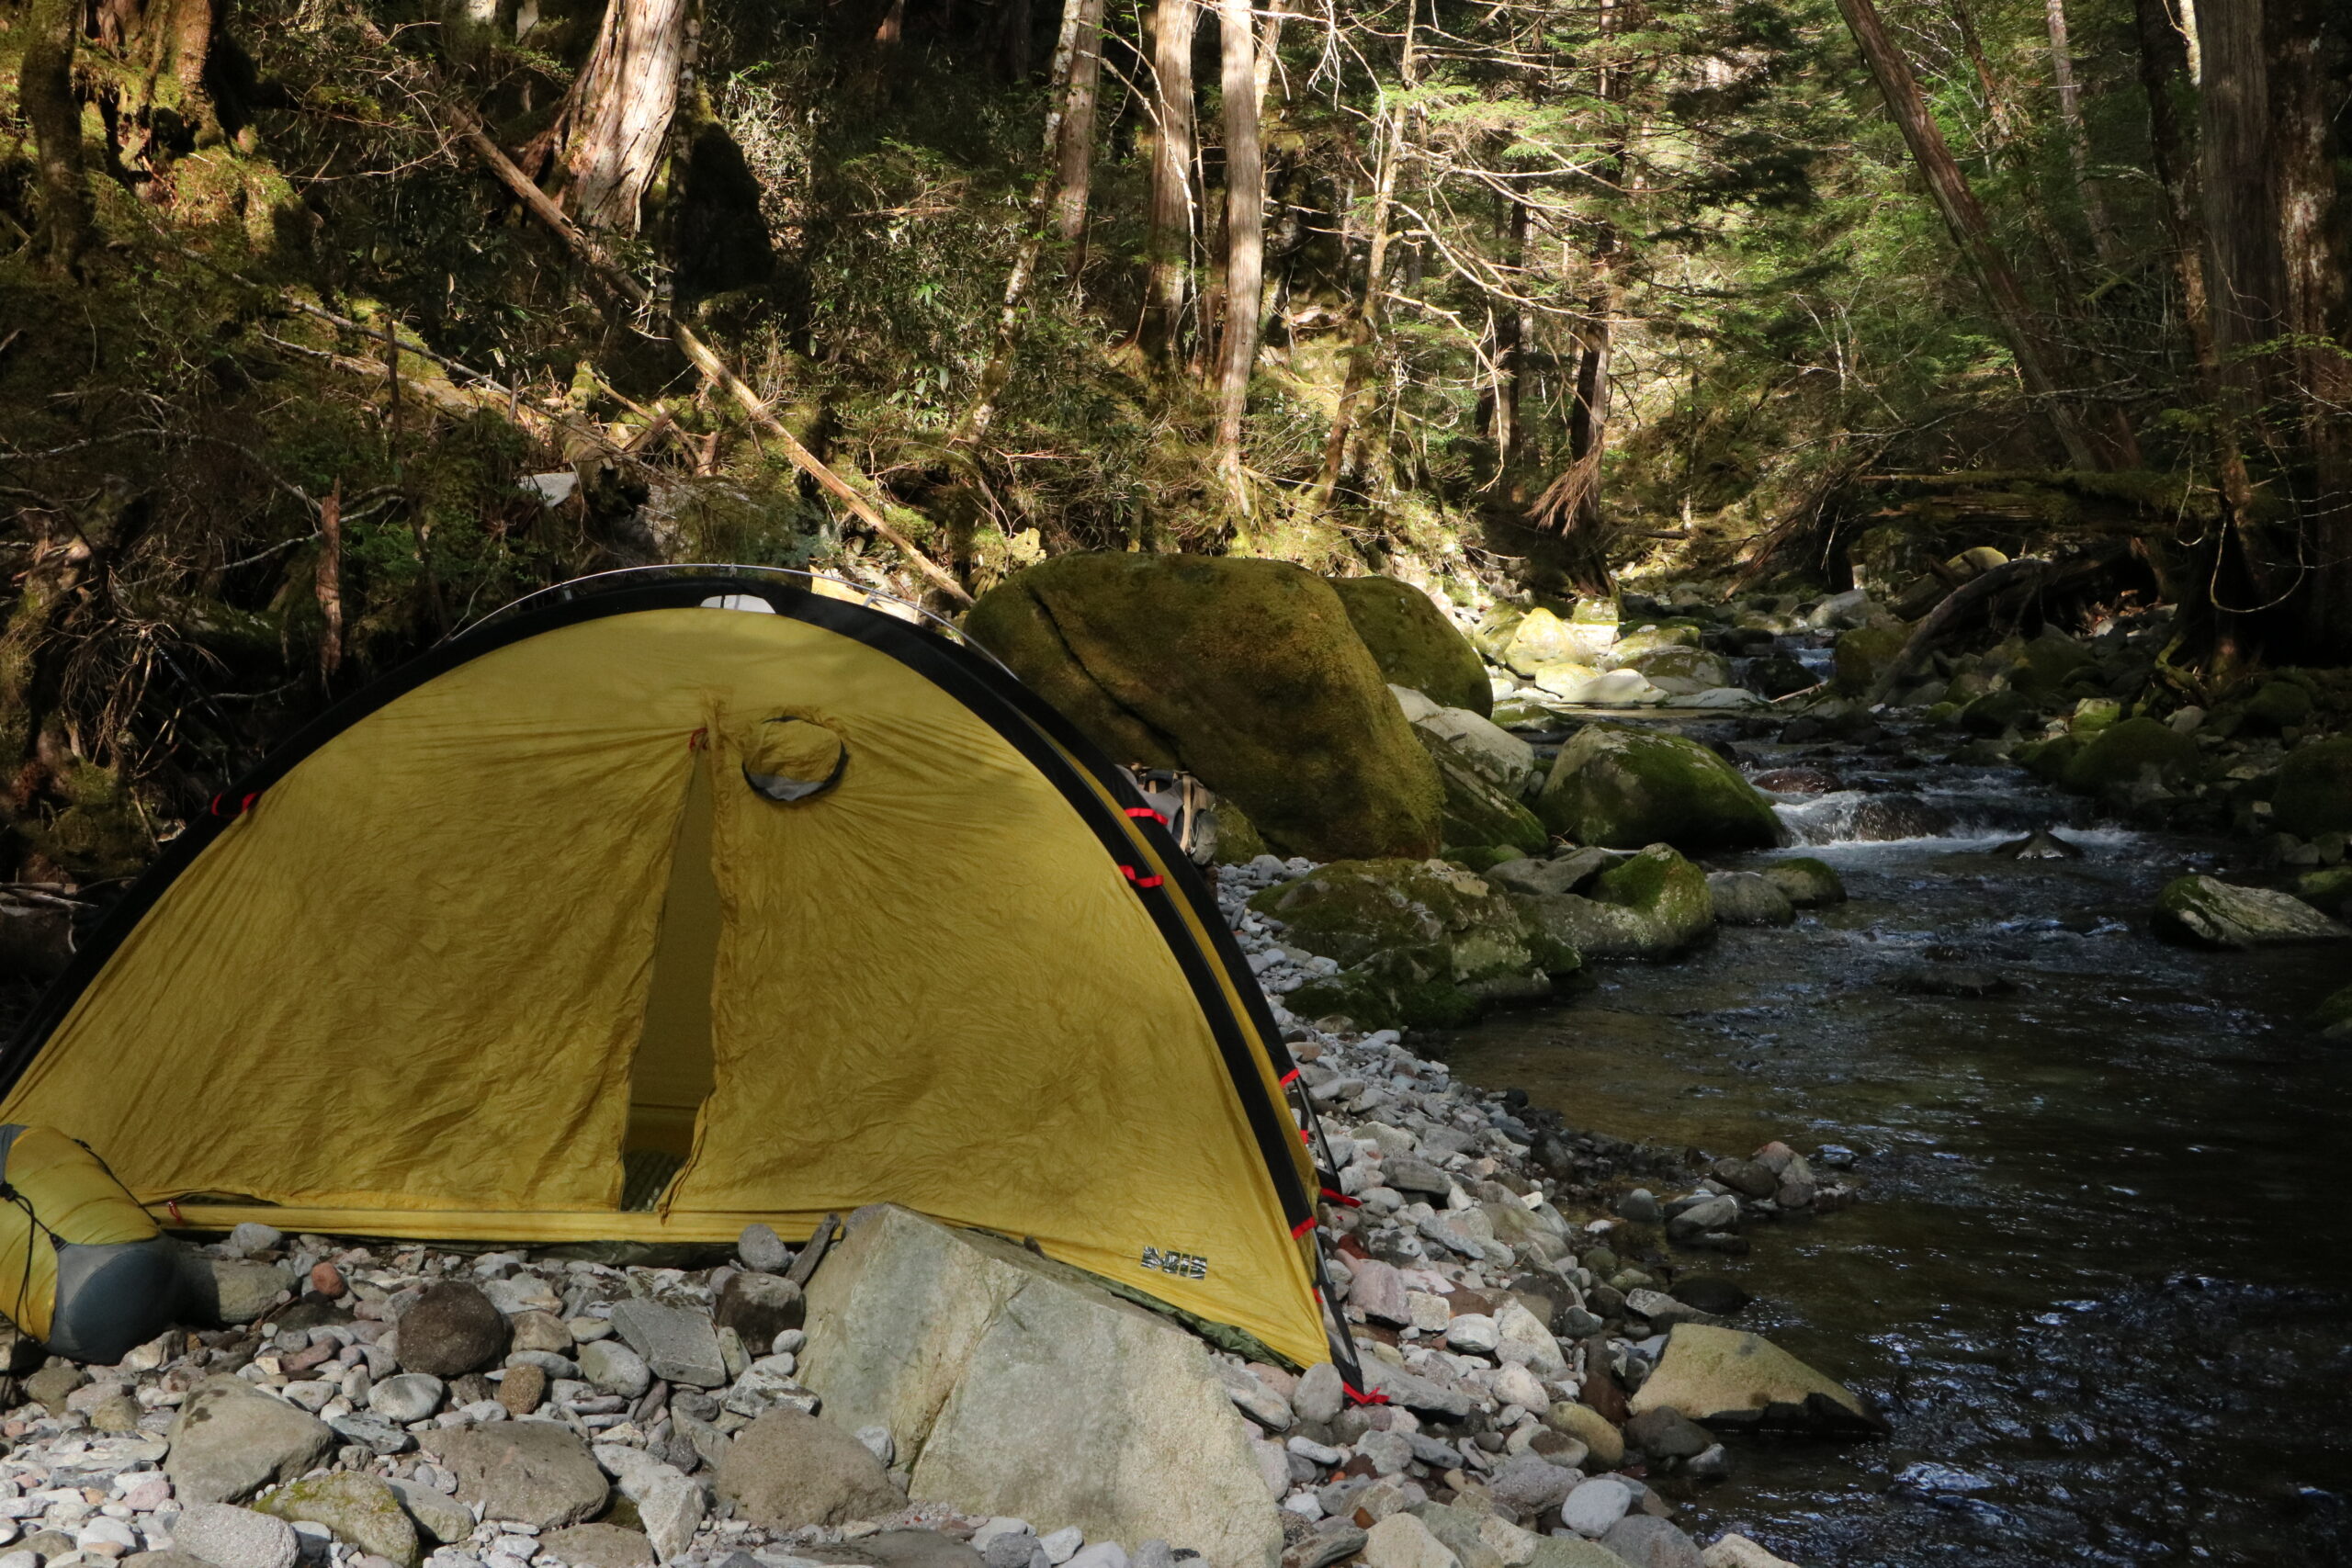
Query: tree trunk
1058	131
1076	151
45	89
1168	234
2078	143
1510	339
1244	237
1957	201
618	118
1364	333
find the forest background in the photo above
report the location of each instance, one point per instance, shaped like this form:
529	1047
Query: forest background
327	326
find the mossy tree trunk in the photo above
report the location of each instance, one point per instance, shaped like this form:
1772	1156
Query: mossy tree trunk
1168	219
45	89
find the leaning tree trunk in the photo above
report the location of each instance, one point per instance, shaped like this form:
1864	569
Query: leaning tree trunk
1245	238
1957	201
45	89
619	116
2078	144
1168	222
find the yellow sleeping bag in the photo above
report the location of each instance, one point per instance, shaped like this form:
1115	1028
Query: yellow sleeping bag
83	1269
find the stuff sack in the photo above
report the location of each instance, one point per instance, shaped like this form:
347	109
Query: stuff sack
82	1267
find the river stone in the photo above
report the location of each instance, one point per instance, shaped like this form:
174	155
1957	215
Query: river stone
1247	673
1590	1427
1415	643
1400	1541
787	1470
1501	758
1595	1505
669	1506
758	1307
2315	790
535	1472
1526	1484
2209	912
1738	1551
759	1249
1750	898
360	1509
1805	882
230	1290
1321	1394
441	1519
599	1546
1726	1378
228	1537
1477	811
1426	943
2136	752
452	1329
1669	893
1549	879
678	1344
1015	1386
614	1368
406	1396
229	1441
1622	788
1664	1433
1645	1541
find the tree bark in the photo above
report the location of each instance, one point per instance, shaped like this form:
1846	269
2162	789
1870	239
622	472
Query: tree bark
1076	151
1167	232
1510	338
45	89
618	118
1957	201
2078	143
1364	331
1244	237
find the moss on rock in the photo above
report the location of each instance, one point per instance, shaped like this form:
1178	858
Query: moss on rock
1476	812
1622	788
2208	913
1808	883
1414	642
2314	793
1423	943
363	1510
1665	888
1247	673
2123	755
1865	652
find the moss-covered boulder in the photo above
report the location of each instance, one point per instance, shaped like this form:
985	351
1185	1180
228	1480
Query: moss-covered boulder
1809	882
1665	889
1680	670
362	1510
2314	793
1476	810
2278	704
2333	1017
1421	942
1622	788
1247	673
2328	890
2047	760
2208	913
1651	639
1864	653
2047	663
1501	758
2134	752
1997	712
1415	643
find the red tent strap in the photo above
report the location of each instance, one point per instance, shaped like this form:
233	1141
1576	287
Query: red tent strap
1358	1396
1146	811
1301	1228
1336	1196
1138	880
245	804
1290	1078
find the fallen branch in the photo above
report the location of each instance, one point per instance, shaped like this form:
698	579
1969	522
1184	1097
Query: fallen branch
703	358
2027	577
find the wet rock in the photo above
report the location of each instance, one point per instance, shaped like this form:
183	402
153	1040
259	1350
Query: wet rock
2333	1017
1800	780
228	1537
1017	1386
1957	980
452	1329
1544	876
1726	1377
1709	1214
2138	752
2208	913
229	1441
1882	818
2040	844
1596	1504
1750	898
1663	1433
1624	788
2315	790
535	1472
1710	1293
363	1510
1738	1551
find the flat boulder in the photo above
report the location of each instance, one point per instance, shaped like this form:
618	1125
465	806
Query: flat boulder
1422	942
788	1470
1499	757
230	1440
1805	882
227	1537
363	1510
1726	1377
2208	913
1750	898
534	1473
1017	1386
1477	810
599	1546
2137	753
1622	788
1247	673
1415	643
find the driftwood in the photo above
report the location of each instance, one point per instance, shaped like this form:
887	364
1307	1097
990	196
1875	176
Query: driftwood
2017	581
805	1266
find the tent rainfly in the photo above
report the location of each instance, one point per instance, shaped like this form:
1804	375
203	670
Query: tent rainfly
648	909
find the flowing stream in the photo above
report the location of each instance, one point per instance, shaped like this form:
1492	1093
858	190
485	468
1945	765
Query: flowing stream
2099	1279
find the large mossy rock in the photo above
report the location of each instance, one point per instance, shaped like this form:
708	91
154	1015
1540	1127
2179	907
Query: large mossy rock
1477	811
1622	788
2314	793
1650	906
1864	654
2134	752
1663	888
1247	673
2333	1017
1415	644
2209	912
1422	942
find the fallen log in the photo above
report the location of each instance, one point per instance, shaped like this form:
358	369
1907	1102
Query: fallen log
2025	578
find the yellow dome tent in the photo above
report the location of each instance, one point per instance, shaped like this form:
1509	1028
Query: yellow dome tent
664	903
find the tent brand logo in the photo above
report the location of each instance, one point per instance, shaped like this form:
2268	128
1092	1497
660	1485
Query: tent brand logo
1184	1265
